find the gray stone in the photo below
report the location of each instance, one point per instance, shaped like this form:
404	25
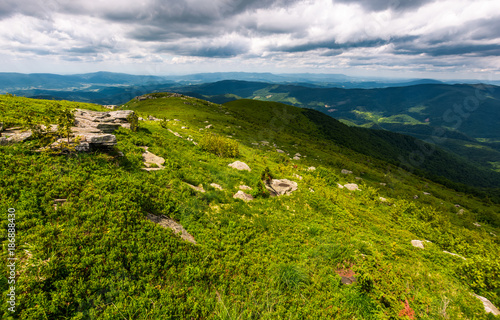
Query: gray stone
351	187
280	151
244	187
239	166
345	171
280	187
197	188
311	168
243	196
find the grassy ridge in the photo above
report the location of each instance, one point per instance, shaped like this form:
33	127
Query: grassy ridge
97	256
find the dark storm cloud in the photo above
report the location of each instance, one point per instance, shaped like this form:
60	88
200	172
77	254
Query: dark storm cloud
333	45
204	50
379	5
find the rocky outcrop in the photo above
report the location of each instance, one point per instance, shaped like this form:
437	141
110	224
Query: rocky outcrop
280	187
15	135
166	222
106	122
239	166
93	129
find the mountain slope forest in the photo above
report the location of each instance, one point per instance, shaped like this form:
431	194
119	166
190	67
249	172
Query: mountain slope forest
461	118
359	238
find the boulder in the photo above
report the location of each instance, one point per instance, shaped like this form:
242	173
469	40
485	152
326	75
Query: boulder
239	166
243	196
280	187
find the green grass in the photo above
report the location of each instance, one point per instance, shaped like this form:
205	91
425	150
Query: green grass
97	256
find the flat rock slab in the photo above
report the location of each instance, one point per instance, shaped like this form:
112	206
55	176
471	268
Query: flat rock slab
106	122
238	165
488	306
216	186
197	188
169	223
151	159
351	187
280	187
454	254
14	136
243	196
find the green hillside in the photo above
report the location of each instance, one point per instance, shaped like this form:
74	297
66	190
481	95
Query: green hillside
433	112
322	252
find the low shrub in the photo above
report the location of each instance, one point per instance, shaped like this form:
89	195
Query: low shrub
220	146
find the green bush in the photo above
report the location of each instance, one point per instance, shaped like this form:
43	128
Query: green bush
220	146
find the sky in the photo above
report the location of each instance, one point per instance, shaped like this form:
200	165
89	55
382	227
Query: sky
441	39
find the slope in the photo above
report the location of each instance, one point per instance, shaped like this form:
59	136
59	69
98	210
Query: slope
97	255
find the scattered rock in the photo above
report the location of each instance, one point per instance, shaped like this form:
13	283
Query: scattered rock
488	306
347	275
298	155
280	187
239	166
243	196
383	184
351	187
152	161
280	151
382	199
427	194
296	158
208	127
311	168
140	119
216	186
345	171
244	187
297	176
454	254
311	190
415	197
417	244
340	186
460	212
171	224
198	188
457	206
358	178
477	224
265	143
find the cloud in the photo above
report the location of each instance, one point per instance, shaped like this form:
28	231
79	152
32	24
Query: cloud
395	34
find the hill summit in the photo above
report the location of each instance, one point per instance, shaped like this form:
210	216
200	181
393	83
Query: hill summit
328	230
